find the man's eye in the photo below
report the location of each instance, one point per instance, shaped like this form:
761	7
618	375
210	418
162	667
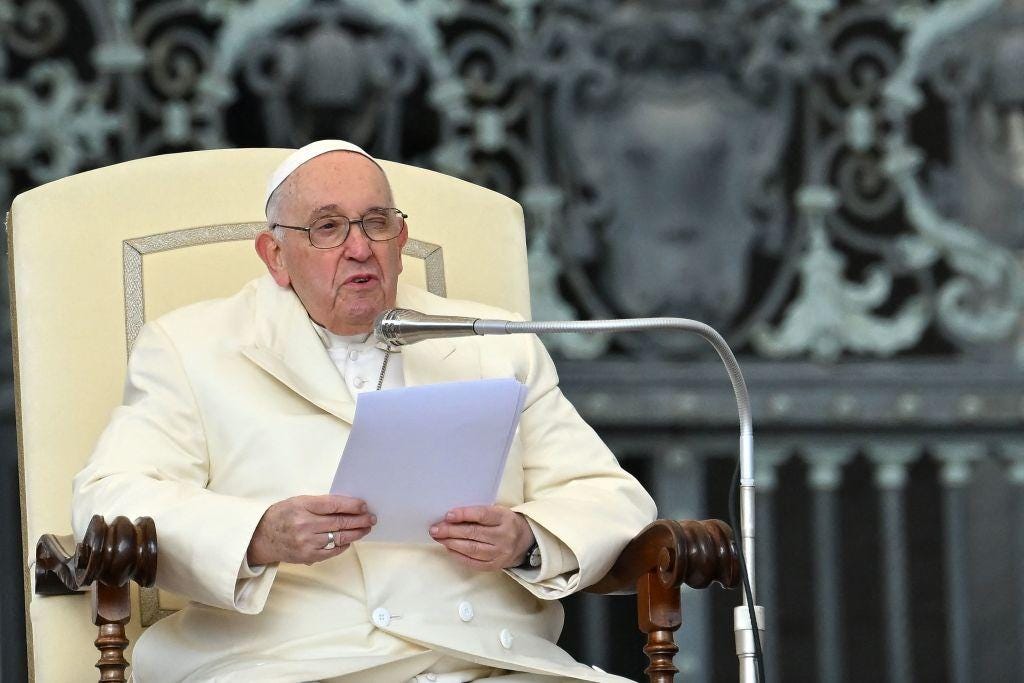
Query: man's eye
375	224
326	227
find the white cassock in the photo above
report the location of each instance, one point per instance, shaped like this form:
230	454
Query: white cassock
234	404
360	361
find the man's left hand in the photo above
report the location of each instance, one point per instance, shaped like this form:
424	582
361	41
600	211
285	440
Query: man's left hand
485	537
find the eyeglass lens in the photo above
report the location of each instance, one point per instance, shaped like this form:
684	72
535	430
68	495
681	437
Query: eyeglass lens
330	231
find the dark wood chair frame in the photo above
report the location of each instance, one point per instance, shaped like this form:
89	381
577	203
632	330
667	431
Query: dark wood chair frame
654	566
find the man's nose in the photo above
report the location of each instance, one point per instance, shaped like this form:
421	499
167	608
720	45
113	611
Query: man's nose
356	245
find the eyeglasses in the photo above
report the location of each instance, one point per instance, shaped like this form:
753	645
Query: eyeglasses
327	232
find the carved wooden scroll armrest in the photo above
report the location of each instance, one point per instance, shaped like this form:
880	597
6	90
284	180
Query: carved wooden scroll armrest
107	559
655	564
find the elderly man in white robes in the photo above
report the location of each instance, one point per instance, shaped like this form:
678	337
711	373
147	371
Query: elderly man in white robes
234	416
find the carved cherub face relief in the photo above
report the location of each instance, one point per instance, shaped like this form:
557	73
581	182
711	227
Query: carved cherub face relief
674	168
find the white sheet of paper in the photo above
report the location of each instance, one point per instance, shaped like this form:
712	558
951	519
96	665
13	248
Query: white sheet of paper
417	452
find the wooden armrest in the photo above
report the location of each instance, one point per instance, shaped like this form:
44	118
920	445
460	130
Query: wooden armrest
112	554
655	564
695	553
108	557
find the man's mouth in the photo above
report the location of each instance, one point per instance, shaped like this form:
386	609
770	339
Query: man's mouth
360	279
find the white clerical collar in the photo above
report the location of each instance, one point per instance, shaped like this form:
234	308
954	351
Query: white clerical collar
333	341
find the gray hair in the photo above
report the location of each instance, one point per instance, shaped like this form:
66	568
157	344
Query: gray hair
272	208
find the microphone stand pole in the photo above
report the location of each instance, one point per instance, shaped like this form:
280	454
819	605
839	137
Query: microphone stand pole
749	612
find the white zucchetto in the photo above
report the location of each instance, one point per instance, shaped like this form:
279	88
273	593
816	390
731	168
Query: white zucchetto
304	154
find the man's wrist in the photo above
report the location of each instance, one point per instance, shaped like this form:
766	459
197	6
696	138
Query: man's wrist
530	551
251	558
258	552
532	559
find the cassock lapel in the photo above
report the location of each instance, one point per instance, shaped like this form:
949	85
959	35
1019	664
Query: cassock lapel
286	346
435	360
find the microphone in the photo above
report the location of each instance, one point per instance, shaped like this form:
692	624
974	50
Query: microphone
401	326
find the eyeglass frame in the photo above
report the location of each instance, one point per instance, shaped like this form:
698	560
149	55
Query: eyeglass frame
309	229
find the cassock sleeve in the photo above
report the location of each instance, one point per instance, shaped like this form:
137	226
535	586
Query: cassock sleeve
152	460
581	504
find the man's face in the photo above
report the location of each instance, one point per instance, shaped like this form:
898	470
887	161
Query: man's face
346	287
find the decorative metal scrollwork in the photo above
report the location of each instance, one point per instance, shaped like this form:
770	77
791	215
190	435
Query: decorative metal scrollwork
668	156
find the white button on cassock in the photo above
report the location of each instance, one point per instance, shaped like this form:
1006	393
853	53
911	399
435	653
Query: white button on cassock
353	355
381	617
465	611
506	638
359	382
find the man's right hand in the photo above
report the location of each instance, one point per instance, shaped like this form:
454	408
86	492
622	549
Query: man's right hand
295	529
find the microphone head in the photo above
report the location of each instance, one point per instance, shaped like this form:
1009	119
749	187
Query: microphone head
384	329
402	326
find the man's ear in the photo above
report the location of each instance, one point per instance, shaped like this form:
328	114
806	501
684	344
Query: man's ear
403	237
270	251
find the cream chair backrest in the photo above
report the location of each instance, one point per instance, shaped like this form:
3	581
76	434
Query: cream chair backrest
94	255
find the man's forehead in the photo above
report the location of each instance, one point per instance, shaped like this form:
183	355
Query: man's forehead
301	158
343	165
338	172
333	180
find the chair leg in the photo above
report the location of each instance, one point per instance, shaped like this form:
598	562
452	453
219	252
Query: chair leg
111	610
660	615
